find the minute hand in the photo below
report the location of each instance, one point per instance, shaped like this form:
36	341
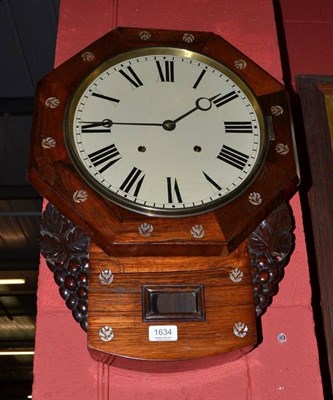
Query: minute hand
138	123
108	123
202	103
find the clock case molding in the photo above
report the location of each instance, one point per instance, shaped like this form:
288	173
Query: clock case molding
51	170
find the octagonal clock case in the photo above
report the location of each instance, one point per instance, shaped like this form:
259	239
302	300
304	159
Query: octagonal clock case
172	127
163	145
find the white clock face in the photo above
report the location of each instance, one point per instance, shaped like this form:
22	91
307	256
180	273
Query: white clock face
165	132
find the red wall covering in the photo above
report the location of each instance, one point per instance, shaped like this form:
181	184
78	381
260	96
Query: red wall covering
309	31
63	368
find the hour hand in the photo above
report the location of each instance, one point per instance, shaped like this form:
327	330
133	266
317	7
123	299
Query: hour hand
202	103
205	104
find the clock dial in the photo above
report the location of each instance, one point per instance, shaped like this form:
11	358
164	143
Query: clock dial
165	132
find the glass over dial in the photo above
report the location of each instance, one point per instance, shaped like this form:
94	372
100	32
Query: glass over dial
165	132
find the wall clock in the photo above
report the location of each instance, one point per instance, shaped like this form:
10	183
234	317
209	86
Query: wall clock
168	149
166	132
176	125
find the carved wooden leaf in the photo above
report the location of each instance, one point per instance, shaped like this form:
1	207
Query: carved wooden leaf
273	234
60	236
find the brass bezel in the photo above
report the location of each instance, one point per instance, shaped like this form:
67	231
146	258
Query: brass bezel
142	209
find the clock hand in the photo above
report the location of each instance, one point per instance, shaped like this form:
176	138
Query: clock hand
202	103
107	123
137	123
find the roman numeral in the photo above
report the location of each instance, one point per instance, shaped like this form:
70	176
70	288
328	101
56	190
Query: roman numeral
221	100
166	72
107	155
238	127
211	181
131	76
95	127
199	79
173	191
133	181
233	157
102	96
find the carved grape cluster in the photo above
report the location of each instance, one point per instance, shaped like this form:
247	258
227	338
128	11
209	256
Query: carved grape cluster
65	248
266	274
269	247
72	279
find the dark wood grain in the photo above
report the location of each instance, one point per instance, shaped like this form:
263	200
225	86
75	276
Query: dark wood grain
313	92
